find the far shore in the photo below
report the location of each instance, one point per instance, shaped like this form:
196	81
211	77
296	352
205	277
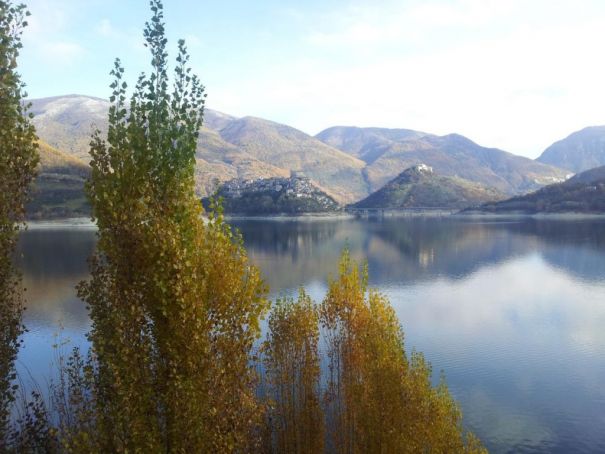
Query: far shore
571	216
86	223
42	224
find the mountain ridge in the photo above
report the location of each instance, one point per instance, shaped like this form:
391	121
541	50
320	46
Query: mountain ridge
66	123
348	168
393	150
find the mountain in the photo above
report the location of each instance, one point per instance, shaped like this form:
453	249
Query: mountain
389	151
420	187
347	163
219	161
583	193
283	146
67	122
228	147
582	150
294	195
367	144
58	190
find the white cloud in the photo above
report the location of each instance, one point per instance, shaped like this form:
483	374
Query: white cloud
105	29
193	41
133	39
45	35
513	75
61	52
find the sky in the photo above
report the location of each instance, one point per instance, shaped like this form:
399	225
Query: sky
511	74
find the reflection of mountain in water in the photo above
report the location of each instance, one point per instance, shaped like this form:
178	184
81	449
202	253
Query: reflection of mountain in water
423	248
294	253
52	263
575	247
408	250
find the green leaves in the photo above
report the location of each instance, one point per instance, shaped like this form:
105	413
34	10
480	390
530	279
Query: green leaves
174	303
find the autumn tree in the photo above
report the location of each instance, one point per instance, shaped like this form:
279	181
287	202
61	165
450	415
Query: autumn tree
378	399
18	161
174	303
293	374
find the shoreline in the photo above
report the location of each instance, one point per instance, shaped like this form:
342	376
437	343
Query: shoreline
86	223
290	217
49	224
568	216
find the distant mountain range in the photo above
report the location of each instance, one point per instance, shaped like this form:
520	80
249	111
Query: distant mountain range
580	151
387	152
421	187
583	193
228	147
348	163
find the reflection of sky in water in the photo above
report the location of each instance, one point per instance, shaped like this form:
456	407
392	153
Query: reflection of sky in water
513	313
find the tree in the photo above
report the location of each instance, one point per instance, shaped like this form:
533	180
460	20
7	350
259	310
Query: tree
174	303
293	374
18	161
378	399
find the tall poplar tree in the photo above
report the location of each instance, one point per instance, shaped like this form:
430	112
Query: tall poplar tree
18	161
174	303
378	399
293	375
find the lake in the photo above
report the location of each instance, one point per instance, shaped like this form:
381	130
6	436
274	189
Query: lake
512	311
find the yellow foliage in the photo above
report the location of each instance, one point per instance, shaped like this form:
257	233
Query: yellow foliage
293	374
378	400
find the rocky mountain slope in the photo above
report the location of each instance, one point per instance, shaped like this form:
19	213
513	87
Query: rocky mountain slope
421	187
582	150
583	193
387	152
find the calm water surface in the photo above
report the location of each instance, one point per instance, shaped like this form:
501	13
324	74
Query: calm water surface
513	312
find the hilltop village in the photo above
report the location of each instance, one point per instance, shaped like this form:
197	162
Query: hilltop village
296	194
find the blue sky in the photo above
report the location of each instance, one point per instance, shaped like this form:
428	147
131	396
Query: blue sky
512	74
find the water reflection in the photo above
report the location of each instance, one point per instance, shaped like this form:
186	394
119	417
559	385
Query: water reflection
53	261
408	250
511	311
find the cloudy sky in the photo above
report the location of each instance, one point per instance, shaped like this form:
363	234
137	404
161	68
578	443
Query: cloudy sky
511	74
